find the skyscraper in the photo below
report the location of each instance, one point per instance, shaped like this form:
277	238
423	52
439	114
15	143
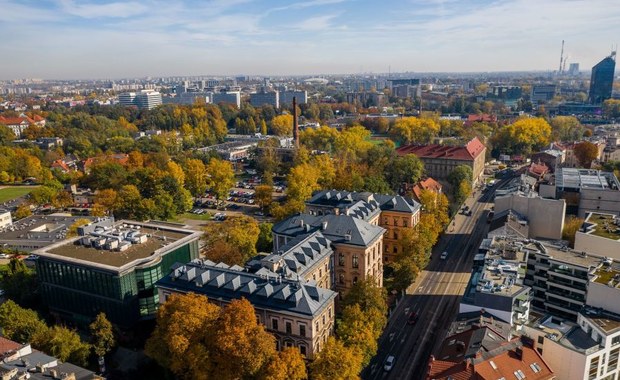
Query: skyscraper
602	79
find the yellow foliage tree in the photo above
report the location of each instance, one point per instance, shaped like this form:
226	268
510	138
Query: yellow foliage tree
288	364
282	125
221	177
336	362
414	129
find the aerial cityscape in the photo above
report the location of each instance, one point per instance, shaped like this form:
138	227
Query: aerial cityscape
322	189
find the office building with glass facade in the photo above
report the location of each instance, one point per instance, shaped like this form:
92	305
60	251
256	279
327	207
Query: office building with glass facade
602	80
112	267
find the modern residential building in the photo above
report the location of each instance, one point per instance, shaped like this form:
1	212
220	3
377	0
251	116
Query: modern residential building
230	97
357	244
20	361
602	79
127	98
286	97
111	266
440	160
604	287
542	93
298	313
405	87
393	213
262	98
587	349
497	286
148	99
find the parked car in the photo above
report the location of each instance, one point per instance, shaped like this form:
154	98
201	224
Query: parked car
444	255
413	318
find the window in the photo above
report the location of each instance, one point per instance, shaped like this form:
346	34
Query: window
341	260
302	350
535	367
316	326
395	235
289	328
341	279
615	340
320	273
356	263
593	372
519	374
354	280
405	224
394	249
541	339
288	344
613	360
302	330
323	319
274	324
329	312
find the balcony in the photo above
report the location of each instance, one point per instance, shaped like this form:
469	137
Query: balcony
568	296
570	308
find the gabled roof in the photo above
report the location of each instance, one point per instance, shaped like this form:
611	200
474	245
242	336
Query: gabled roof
427	184
468	152
264	291
363	205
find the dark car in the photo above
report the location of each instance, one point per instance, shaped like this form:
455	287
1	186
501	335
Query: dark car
413	318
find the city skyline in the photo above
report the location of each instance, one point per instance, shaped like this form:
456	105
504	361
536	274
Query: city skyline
61	39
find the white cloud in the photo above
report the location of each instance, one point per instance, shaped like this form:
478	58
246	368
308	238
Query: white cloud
92	10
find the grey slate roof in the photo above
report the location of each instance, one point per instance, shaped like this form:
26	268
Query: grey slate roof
28	363
337	228
345	199
295	258
263	291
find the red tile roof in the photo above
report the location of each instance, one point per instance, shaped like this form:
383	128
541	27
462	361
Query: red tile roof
7	345
469	152
483	117
15	120
426	184
531	364
538	169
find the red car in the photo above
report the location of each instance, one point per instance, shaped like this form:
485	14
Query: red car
413	318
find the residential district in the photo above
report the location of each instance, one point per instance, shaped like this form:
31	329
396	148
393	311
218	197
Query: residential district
432	226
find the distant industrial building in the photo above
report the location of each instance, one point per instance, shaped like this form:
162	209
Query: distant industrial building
230	97
602	79
573	69
542	93
111	266
587	190
405	88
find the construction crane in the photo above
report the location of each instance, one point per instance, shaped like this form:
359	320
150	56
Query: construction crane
564	64
561	58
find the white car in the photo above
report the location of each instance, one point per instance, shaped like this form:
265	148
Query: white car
444	255
389	363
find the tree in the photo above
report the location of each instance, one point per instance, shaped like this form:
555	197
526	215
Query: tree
355	331
196	177
414	129
265	238
611	108
183	348
64	344
106	198
566	128
102	335
129	202
371	299
282	125
19	324
20	283
287	364
221	177
336	362
176	172
571	226
232	241
585	152
22	211
523	136
263	195
241	346
460	180
404	169
72	231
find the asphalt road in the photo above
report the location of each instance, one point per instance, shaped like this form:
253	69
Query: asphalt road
434	296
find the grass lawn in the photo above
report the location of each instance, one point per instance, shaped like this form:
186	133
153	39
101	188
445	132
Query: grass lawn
12	192
189	215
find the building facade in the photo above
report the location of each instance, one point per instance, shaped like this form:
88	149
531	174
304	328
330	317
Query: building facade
111	267
602	80
297	313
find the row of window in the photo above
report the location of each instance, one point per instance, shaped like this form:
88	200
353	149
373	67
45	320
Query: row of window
404	221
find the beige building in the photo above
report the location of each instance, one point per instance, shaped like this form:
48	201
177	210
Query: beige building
599	235
394	213
297	313
545	217
441	160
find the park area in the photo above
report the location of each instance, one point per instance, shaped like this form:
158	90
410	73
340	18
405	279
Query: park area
8	193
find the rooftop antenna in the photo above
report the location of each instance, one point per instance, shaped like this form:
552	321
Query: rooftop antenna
561	58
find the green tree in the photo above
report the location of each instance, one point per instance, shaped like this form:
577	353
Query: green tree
404	169
20	283
102	335
566	128
355	331
372	300
336	362
265	238
63	344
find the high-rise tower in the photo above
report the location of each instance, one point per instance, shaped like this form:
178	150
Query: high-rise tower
602	79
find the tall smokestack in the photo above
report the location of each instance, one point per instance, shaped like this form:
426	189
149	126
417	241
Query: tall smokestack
295	123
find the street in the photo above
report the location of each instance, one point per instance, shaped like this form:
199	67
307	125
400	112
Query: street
434	296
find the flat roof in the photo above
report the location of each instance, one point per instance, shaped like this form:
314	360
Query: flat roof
161	238
602	225
586	179
570	256
607	321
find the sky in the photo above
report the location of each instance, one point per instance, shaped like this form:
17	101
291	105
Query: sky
108	39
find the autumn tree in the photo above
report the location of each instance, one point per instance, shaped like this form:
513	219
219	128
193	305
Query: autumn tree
372	300
523	136
287	364
22	211
336	362
302	181
282	125
263	196
460	179
62	343
414	129
196	177
585	152
221	177
356	331
72	231
232	241
566	128
571	226
611	108
102	335
183	348
265	238
404	169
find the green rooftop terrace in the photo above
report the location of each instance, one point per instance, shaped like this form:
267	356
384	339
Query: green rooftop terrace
605	274
604	226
